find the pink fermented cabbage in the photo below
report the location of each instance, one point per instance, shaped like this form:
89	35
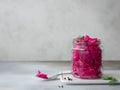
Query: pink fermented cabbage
86	58
41	75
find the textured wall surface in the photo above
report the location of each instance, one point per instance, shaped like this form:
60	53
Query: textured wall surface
33	30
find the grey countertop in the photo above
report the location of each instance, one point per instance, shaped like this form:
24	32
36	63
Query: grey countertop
21	76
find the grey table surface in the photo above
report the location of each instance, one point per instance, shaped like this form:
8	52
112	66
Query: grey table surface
21	76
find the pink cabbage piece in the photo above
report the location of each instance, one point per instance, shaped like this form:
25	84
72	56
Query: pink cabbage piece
41	75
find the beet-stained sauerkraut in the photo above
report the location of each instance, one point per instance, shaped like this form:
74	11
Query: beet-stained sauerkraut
86	58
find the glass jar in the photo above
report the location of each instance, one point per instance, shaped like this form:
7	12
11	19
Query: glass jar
86	60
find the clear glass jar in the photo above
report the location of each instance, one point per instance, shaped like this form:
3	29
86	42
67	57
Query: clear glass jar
86	60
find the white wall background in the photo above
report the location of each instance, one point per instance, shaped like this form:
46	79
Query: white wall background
33	30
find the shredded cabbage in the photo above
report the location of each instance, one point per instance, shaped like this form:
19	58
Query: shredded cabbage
86	58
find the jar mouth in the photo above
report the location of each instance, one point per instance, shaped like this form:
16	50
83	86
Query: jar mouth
76	48
86	43
80	42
